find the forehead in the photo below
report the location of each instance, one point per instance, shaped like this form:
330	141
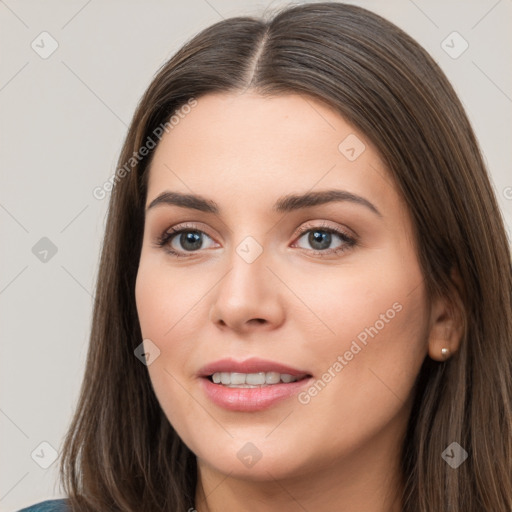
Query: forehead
253	149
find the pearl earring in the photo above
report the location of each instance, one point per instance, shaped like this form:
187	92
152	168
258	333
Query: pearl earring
445	352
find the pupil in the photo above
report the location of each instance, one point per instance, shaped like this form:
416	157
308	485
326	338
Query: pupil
319	237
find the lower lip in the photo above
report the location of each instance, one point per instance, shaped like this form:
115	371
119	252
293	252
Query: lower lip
251	399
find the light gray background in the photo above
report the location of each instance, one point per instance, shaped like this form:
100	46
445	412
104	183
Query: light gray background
63	120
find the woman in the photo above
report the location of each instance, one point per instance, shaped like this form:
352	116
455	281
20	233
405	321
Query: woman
304	299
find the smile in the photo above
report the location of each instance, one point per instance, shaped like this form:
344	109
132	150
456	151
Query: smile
253	380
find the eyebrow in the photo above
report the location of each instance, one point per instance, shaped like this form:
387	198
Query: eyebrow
284	204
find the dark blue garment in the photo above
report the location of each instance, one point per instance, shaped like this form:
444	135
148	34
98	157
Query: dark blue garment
48	506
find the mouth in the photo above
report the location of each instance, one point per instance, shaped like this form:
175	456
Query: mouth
252	385
252	372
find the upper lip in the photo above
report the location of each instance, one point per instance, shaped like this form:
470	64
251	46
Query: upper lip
251	365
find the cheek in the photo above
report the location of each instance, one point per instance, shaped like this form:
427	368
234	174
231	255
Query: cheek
371	340
170	309
368	367
376	299
158	311
163	297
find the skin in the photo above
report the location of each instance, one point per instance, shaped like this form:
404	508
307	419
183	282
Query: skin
340	451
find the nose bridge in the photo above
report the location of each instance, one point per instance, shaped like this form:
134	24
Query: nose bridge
247	260
247	292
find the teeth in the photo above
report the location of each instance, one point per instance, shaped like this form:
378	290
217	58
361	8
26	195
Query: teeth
272	378
250	380
254	378
236	378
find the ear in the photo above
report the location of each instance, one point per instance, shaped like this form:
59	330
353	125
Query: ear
446	322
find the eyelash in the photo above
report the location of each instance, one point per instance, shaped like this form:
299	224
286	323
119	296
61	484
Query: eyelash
165	239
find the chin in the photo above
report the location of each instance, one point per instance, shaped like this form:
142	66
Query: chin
274	467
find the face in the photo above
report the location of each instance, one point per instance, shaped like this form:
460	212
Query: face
329	292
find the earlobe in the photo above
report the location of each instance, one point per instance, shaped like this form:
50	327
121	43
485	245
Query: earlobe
444	338
441	350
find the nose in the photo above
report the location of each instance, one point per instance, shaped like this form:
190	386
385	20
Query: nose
248	297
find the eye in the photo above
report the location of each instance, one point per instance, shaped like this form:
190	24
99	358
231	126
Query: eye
321	239
182	239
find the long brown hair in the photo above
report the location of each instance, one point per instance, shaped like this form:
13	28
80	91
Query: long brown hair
121	453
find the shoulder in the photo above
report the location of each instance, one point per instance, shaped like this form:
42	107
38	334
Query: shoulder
48	506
